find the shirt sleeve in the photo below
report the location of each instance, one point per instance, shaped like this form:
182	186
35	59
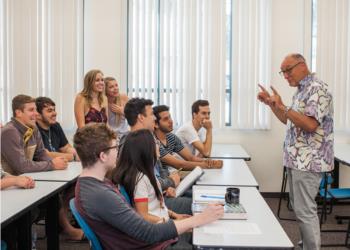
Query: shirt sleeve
142	189
62	136
318	103
178	146
188	134
13	152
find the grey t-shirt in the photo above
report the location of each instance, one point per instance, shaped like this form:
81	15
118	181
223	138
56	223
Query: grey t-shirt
102	203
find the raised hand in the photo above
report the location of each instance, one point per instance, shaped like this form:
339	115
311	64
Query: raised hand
263	95
275	99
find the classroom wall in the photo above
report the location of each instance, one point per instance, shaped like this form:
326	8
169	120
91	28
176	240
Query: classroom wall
105	47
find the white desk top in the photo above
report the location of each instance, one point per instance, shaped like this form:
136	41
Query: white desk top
229	151
342	153
261	229
234	173
73	171
15	200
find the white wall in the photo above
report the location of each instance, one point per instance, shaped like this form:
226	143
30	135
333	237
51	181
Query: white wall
105	49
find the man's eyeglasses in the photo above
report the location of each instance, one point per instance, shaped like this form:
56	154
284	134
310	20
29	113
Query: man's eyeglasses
289	70
108	148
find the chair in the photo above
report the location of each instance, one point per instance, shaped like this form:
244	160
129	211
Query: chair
124	193
331	195
94	242
283	194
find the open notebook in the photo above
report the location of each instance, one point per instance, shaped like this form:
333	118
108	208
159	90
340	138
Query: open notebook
188	181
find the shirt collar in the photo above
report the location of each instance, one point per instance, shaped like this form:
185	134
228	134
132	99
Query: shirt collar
306	80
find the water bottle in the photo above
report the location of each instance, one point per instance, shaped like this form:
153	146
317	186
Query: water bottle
34	237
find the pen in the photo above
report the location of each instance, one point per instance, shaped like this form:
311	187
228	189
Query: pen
212	196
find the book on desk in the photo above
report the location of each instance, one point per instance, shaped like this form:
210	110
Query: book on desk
231	211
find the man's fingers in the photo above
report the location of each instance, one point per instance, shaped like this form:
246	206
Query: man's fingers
274	90
262	87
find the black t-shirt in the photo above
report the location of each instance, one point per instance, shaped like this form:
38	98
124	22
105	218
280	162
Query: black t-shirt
54	138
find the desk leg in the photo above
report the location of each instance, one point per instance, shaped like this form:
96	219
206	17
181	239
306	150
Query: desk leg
336	175
25	231
52	223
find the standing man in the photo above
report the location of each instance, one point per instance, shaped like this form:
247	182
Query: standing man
197	134
308	147
54	139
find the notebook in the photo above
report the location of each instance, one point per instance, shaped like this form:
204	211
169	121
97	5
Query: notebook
231	211
189	180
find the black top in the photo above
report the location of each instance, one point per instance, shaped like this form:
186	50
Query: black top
53	138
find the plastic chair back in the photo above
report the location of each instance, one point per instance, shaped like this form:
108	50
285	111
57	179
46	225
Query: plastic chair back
95	243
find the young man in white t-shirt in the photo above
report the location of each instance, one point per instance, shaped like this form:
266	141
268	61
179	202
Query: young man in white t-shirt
197	134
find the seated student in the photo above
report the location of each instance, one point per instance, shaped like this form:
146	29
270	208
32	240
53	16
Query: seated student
139	114
171	144
22	147
135	172
54	139
8	180
197	134
116	224
23	151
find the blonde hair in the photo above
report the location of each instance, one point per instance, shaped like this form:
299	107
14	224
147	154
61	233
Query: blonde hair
89	81
117	101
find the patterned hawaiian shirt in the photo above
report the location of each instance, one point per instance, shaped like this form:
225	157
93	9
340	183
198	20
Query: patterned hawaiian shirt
311	151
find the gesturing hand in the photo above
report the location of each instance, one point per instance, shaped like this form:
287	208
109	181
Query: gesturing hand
275	99
263	95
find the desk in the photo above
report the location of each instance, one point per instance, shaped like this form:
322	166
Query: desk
229	151
68	175
268	232
341	155
16	205
234	173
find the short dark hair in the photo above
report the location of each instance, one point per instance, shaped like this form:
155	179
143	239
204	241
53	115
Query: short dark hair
43	102
197	104
91	140
134	107
19	101
157	110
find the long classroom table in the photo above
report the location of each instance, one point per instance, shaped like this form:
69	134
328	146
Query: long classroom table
234	172
341	155
16	206
229	151
260	230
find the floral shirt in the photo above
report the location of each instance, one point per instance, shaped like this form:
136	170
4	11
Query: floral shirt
311	151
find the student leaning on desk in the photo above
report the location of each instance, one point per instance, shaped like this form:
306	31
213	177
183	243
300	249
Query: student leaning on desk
116	224
23	152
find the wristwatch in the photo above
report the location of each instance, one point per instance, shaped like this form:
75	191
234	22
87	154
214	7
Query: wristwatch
286	109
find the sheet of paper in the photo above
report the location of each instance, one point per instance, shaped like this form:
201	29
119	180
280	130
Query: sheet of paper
232	227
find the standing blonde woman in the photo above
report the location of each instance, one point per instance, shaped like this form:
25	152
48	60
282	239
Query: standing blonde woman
91	103
116	103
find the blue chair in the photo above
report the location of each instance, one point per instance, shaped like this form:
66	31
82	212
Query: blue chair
124	193
94	242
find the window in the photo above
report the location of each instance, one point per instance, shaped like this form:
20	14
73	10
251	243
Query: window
41	53
183	50
331	54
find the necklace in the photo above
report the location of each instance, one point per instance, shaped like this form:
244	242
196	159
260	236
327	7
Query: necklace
48	136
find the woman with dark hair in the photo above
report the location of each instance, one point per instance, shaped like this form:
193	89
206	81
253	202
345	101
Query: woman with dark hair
135	172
